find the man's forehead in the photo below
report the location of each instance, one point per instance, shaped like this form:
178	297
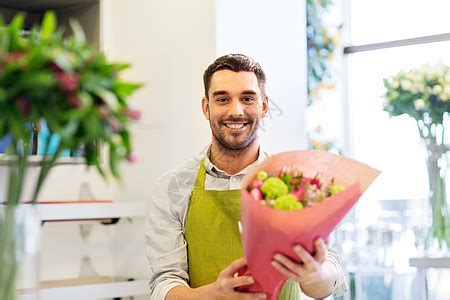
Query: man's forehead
234	82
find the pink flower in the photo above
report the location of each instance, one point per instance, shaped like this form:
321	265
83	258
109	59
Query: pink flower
256	184
115	125
311	181
299	193
73	100
15	56
294	181
256	193
133	114
283	171
68	81
133	157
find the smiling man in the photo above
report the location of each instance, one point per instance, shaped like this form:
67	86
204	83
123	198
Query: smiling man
192	237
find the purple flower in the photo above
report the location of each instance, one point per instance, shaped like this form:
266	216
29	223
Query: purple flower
24	105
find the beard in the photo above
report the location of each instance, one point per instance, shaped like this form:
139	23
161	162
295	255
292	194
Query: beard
235	142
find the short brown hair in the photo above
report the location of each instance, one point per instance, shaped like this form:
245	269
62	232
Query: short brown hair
235	63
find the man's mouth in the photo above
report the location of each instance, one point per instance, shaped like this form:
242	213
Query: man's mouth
235	125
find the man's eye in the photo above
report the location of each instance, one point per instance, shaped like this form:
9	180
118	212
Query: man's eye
222	100
248	99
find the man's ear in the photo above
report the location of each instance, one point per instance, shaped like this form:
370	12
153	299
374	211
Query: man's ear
265	105
205	107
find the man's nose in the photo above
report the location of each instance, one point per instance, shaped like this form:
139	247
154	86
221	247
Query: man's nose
236	108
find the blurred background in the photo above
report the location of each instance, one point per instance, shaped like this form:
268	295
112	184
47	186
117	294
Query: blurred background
325	62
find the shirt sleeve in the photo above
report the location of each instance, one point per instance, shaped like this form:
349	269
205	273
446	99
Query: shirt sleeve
165	244
340	287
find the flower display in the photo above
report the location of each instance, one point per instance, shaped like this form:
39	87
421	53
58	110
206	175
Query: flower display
420	93
291	190
60	79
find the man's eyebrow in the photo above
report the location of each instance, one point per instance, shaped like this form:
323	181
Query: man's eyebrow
246	92
218	93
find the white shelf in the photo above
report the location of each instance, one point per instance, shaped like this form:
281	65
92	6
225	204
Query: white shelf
88	211
430	262
37	160
93	291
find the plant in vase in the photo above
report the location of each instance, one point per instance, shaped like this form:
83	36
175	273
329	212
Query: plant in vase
424	94
64	82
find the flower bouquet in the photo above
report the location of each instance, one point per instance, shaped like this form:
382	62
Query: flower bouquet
295	198
424	94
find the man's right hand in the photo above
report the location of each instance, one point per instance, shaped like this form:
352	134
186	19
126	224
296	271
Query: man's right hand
222	289
228	281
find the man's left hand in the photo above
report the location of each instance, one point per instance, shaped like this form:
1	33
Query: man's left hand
310	268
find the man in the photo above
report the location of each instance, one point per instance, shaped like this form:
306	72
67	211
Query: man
192	238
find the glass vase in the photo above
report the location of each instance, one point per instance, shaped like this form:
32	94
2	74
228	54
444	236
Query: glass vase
20	236
437	238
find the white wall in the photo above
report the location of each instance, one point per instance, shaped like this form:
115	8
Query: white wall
273	33
169	43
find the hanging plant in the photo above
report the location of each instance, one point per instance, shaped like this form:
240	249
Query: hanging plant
321	44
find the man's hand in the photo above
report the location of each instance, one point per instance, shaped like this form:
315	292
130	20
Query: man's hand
315	276
222	289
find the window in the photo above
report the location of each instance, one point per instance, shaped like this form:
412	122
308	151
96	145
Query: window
391	145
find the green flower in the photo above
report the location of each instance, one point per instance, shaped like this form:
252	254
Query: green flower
287	202
336	188
274	187
262	175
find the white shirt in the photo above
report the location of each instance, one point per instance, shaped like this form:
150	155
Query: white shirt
165	223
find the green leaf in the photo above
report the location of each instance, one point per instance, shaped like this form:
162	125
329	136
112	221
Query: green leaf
113	160
125	89
69	130
108	97
63	59
126	141
48	25
93	126
78	32
121	66
16	23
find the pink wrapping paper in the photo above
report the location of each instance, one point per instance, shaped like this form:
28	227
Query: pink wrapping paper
267	231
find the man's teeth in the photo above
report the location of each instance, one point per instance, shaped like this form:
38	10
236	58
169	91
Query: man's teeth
235	126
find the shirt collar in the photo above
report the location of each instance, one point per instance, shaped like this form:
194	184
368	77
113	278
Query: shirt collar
211	169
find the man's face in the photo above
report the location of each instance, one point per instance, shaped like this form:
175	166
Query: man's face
234	108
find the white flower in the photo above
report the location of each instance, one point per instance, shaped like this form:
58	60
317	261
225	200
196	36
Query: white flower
406	84
437	89
419	104
395	84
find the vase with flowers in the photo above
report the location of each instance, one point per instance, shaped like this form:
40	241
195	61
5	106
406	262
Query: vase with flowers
47	76
424	94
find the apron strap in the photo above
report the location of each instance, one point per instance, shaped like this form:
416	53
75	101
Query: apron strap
201	176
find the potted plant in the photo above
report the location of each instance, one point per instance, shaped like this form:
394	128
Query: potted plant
424	94
62	81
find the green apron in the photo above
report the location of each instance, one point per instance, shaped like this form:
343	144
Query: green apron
212	235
